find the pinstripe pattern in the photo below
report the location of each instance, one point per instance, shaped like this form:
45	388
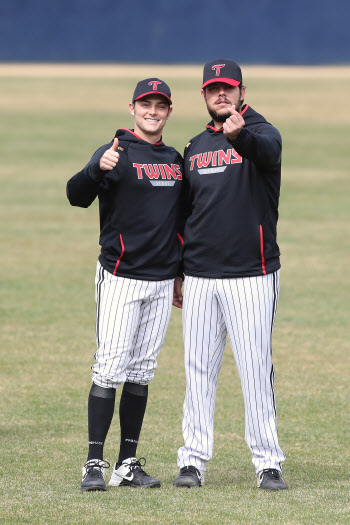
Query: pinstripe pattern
245	309
132	317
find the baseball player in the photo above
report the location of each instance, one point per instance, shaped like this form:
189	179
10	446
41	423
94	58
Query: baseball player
137	179
231	266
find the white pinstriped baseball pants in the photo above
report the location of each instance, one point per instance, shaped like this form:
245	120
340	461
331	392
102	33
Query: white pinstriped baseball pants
132	317
245	308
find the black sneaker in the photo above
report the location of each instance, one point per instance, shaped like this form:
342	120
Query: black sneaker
189	477
94	475
131	474
271	479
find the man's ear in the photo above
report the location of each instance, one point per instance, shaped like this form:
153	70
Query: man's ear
132	109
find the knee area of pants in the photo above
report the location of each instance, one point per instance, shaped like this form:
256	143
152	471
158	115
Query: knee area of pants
136	389
99	391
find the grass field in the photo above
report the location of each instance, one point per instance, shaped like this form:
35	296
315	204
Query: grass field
52	120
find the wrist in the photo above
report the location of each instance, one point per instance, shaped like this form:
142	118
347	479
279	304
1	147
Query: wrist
240	138
96	172
233	136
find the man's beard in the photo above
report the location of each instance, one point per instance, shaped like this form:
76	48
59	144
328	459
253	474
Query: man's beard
222	117
218	117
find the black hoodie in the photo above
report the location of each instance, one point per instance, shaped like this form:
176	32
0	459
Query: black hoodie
233	193
139	204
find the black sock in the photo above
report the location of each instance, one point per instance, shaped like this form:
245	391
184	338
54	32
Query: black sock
100	414
132	408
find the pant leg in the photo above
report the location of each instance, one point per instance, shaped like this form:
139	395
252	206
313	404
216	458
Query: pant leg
249	306
118	304
204	339
149	337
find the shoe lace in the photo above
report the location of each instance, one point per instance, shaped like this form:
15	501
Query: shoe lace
136	465
94	468
271	473
189	468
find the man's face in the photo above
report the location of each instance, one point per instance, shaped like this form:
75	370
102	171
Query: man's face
150	115
219	97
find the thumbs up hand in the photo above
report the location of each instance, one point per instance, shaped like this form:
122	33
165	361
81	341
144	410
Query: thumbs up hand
234	124
110	158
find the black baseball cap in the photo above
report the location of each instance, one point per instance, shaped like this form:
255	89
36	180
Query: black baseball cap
152	86
222	70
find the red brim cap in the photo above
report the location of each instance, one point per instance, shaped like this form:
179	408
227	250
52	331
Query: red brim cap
152	86
222	70
229	81
153	93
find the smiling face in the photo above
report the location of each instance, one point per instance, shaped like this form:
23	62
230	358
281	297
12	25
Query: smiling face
150	115
220	96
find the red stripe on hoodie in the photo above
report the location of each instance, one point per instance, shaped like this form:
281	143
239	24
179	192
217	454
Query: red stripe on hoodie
262	250
121	255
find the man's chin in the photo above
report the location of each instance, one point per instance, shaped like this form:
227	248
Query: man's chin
152	131
220	116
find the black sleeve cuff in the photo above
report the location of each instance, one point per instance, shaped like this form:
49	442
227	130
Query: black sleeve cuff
95	172
242	140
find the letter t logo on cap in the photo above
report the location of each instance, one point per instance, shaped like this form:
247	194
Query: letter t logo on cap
154	83
218	67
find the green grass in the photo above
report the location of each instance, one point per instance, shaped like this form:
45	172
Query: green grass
48	131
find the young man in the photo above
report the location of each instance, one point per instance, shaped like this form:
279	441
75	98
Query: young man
137	179
231	266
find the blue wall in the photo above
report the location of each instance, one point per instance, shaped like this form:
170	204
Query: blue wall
255	31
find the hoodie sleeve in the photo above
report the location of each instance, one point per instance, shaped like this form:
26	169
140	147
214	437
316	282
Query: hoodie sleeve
84	186
261	145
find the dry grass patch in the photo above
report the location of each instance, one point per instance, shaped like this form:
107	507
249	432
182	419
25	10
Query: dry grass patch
50	124
107	89
183	71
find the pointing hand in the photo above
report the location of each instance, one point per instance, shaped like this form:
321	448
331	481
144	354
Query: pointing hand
233	124
110	158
